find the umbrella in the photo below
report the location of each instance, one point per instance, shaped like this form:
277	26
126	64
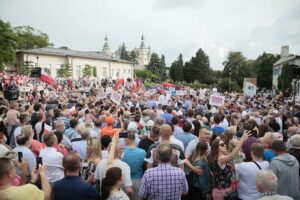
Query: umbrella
166	84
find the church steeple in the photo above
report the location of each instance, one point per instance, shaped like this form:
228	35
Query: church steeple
106	47
143	46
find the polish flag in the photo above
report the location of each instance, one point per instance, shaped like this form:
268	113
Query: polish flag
47	128
46	78
118	84
72	110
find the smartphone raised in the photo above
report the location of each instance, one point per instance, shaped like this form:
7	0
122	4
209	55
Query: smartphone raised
20	156
39	160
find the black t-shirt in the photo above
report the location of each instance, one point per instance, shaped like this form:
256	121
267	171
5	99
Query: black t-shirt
145	144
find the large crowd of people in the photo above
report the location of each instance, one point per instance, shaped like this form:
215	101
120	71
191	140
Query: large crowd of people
69	141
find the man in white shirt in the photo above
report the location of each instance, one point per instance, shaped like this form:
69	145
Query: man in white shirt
23	141
247	171
163	99
79	143
52	159
117	162
24	120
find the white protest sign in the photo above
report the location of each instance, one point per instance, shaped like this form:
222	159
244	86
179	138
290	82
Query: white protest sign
250	89
193	92
184	92
147	94
108	90
172	89
116	98
179	92
216	100
215	90
152	91
102	95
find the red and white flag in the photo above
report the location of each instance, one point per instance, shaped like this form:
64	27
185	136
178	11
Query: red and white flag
46	78
47	128
72	110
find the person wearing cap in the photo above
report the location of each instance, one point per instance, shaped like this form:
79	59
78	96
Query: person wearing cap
134	157
108	129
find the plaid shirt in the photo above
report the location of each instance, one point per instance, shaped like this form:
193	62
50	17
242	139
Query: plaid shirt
163	182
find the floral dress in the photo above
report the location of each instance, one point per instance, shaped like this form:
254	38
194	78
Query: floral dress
221	177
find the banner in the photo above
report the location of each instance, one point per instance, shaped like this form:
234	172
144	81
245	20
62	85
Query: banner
116	98
180	92
216	100
250	89
102	95
108	90
193	92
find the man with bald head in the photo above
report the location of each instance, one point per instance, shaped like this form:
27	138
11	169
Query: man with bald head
117	162
177	159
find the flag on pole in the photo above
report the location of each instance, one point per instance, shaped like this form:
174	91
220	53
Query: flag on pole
72	110
118	84
46	78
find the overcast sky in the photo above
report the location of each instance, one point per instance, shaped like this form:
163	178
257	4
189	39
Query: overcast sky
170	27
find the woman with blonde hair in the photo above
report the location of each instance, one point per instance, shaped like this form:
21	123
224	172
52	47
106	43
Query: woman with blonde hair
267	141
88	167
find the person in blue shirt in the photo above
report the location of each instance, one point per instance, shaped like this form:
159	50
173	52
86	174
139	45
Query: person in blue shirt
216	128
134	157
71	132
186	136
168	115
71	187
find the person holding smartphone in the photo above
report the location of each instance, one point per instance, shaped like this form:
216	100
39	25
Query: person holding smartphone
26	191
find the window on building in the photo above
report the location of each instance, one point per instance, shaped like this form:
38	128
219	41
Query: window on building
78	71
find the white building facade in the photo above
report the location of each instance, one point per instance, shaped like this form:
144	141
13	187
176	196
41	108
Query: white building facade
285	58
52	59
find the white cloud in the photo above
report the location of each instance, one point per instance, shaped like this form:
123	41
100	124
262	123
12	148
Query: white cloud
171	27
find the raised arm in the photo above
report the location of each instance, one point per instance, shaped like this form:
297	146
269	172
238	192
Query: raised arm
226	158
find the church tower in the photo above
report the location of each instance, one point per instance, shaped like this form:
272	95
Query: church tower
142	54
106	50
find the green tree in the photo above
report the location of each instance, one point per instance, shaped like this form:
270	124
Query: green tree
7	44
94	71
134	58
226	84
176	69
124	53
198	68
64	71
264	69
29	38
237	68
157	67
25	67
87	71
145	74
162	68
